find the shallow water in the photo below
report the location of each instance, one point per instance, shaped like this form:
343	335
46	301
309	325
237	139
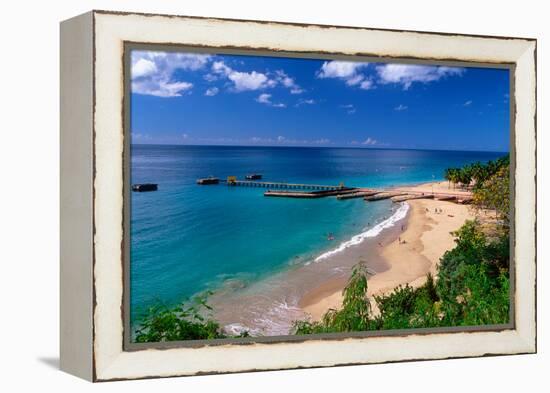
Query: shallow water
270	306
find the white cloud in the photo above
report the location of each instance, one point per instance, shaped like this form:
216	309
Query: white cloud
367	84
140	138
143	67
350	109
243	81
401	107
354	80
406	74
219	67
212	91
305	102
152	73
340	69
256	139
210	77
348	71
369	141
265	98
288	82
282	140
160	88
468	103
254	80
353	73
248	80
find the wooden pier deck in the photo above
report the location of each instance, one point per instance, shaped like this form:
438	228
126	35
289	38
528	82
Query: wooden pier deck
284	186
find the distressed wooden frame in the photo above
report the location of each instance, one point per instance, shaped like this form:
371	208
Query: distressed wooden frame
92	195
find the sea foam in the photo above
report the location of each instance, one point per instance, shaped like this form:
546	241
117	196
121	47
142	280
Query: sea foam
399	214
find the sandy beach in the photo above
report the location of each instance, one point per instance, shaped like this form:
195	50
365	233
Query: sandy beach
424	238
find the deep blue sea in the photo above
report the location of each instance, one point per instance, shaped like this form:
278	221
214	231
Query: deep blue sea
187	238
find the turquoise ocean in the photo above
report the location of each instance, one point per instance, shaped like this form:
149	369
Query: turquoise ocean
187	238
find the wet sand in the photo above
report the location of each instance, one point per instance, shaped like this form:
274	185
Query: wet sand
416	251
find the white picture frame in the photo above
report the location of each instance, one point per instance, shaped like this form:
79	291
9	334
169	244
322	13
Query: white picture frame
93	194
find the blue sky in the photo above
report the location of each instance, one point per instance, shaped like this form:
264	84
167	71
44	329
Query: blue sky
198	99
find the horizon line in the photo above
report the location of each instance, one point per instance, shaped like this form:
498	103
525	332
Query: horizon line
324	147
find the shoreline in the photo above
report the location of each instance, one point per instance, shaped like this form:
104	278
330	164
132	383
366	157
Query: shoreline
410	256
270	306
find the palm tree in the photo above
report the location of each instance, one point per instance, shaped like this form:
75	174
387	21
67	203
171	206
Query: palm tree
447	175
465	175
454	176
477	172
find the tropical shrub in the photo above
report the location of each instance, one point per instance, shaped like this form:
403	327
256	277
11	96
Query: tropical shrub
495	194
183	322
354	314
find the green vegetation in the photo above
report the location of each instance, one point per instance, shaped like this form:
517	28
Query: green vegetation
355	314
477	172
184	322
495	195
407	307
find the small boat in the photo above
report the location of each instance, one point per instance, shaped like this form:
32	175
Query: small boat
208	180
143	187
253	176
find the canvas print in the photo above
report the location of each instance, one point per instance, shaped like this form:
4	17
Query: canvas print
278	196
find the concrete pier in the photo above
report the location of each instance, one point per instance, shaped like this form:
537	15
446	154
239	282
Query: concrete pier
408	197
358	194
309	195
383	195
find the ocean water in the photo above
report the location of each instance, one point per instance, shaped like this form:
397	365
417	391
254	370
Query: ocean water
187	238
